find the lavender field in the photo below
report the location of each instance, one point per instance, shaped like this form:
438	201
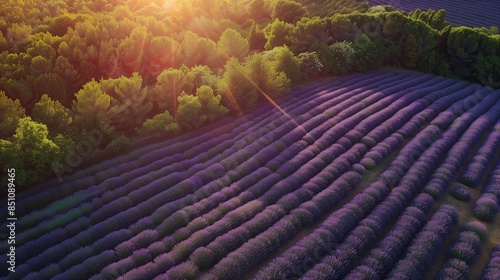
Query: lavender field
459	12
388	174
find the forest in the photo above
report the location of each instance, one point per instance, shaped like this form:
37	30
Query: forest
83	80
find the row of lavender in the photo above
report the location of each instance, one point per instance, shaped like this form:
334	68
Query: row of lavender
459	12
220	210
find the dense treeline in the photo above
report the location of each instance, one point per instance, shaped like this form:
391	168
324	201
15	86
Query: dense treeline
71	70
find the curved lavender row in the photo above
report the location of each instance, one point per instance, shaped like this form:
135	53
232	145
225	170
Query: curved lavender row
398	166
475	170
462	253
487	205
380	260
407	116
457	155
423	249
492	269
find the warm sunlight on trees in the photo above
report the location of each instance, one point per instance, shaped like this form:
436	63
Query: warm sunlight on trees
30	152
91	100
239	87
52	114
163	122
195	110
232	44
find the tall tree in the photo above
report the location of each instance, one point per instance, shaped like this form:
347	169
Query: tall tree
289	11
232	44
10	112
410	52
130	103
91	100
241	94
256	38
52	114
163	122
277	34
30	152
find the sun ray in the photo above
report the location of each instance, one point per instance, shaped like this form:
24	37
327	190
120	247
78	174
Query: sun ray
233	101
278	107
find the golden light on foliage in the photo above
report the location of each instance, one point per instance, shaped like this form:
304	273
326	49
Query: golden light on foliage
169	5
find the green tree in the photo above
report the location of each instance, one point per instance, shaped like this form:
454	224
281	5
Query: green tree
285	61
487	70
51	84
91	100
369	53
199	51
435	19
463	45
289	11
30	152
130	102
161	53
196	110
308	31
393	25
409	59
163	122
132	50
41	65
52	114
18	35
309	64
343	55
10	113
269	82
210	103
73	80
256	38
198	76
168	87
340	28
232	44
277	34
239	92
325	56
4	45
